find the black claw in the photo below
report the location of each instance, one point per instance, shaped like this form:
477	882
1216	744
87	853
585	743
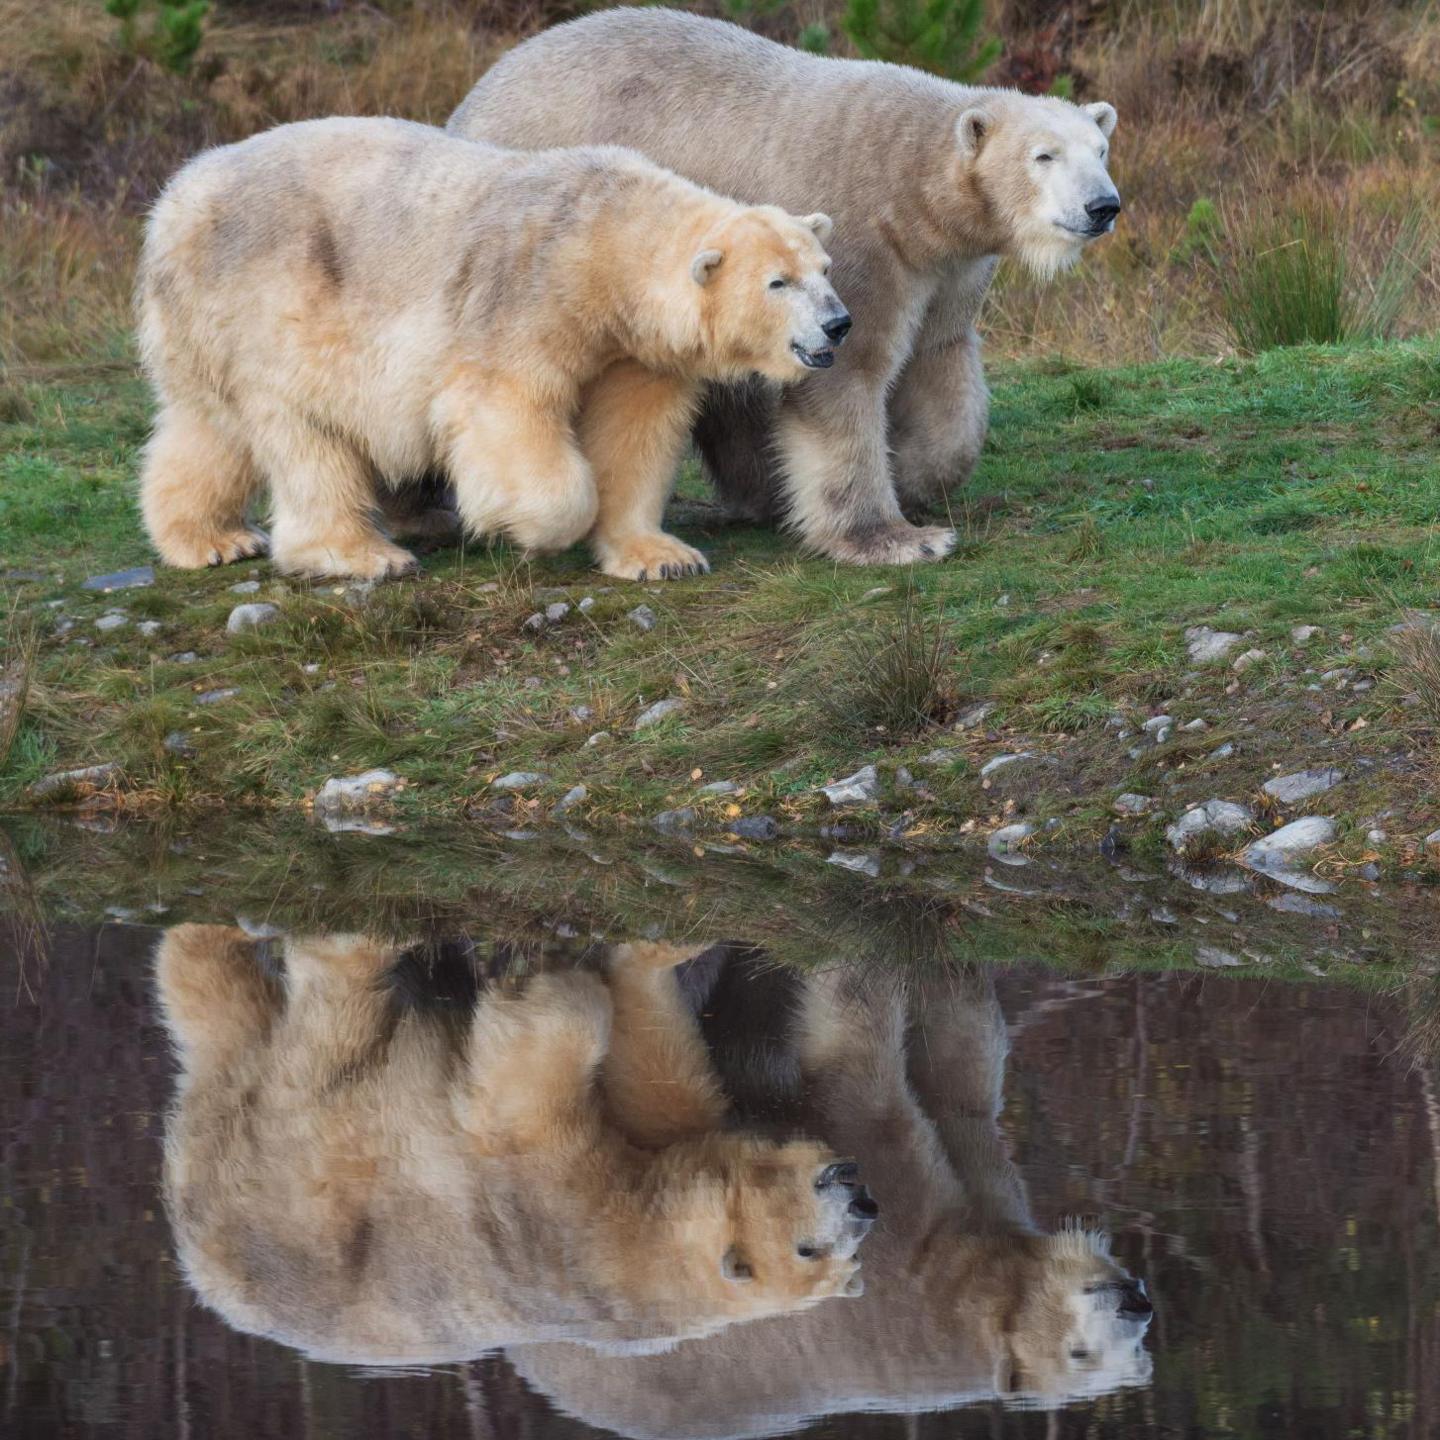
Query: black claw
926	552
642	574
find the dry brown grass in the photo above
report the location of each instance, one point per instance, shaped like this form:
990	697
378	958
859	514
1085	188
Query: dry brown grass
1226	101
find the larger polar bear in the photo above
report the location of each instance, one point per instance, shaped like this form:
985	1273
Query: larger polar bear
928	181
341	302
363	1168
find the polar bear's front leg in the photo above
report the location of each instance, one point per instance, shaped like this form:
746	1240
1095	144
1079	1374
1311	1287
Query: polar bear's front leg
514	462
835	465
939	416
633	426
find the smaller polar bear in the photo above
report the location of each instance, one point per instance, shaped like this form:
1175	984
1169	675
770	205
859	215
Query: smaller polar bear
340	304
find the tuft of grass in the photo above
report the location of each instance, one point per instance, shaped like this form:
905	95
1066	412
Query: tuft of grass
1416	668
17	665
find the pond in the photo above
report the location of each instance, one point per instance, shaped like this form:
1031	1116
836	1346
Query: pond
458	1135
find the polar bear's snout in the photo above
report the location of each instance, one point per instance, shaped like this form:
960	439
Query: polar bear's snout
1101	213
823	322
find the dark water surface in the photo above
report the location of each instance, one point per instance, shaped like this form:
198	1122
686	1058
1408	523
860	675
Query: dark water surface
517	1155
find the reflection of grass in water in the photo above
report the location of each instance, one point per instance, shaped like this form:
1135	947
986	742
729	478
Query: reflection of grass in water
549	899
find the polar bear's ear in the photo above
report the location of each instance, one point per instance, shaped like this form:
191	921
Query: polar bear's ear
702	267
820	223
971	129
732	1267
1103	115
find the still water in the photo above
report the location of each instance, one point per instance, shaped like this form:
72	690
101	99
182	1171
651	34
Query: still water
488	1159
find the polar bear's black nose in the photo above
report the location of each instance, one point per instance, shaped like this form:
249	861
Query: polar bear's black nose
863	1207
837	327
1101	212
1134	1302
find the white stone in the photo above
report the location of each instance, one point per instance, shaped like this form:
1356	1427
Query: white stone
113	621
355	792
518	780
1303	634
1290	843
251	617
642	616
1004	844
1156	722
1215	958
89	777
1291	789
857	789
974	715
1214	817
652	714
556	612
998	762
1205	644
574	796
1245	661
1131	804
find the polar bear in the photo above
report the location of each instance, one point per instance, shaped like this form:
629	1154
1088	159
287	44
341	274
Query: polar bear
929	182
372	1177
966	1299
338	303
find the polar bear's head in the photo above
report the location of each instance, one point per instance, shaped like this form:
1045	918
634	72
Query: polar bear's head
766	302
1079	1326
745	1227
1041	168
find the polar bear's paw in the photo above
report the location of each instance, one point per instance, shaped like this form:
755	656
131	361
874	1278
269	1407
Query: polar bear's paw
651	557
892	544
194	550
369	559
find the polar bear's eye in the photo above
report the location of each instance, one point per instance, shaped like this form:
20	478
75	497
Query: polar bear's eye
1079	1354
807	1252
779	284
1044	157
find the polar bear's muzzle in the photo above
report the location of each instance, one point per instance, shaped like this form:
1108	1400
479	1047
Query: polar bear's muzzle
834	325
1101	213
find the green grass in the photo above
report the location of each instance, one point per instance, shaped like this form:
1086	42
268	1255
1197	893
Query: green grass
1111	510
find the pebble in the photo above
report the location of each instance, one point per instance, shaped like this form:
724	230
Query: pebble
586	605
1000	761
534	623
121	579
672	822
149	628
1291	789
1214	817
974	715
581	713
1005	843
1164	915
88	777
245	587
183	657
556	612
1215	958
653	714
719	787
1303	905
177	742
857	789
1432	840
861	862
1204	644
1156	723
251	617
1290	842
642	617
354	792
1245	661
1303	634
1222	752
599	738
113	621
519	780
574	796
1131	804
1193	727
1376	837
214	697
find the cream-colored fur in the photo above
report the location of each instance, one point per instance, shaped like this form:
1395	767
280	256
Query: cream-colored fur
928	182
364	1182
965	1299
344	302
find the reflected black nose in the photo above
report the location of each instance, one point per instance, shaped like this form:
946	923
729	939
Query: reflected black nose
1102	212
842	1172
1134	1302
837	327
863	1207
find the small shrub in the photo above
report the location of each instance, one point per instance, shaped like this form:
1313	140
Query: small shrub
173	36
941	36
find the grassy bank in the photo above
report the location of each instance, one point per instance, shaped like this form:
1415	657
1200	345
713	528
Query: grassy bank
1114	510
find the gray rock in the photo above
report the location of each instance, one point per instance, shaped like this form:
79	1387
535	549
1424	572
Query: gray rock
214	697
1004	844
586	605
1376	837
149	628
653	714
183	657
1164	915
344	793
998	762
177	742
753	827
599	738
1215	958
113	621
1214	818
556	612
574	796
581	713
1157	723
1205	645
245	587
1303	905
1291	789
519	780
1289	844
675	822
88	777
719	787
1162	734
251	617
121	579
1131	804
642	617
1193	727
973	715
1303	634
858	789
1245	661
1222	752
1432	840
534	623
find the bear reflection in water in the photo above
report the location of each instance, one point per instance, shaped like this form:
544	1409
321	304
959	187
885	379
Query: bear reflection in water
374	1157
